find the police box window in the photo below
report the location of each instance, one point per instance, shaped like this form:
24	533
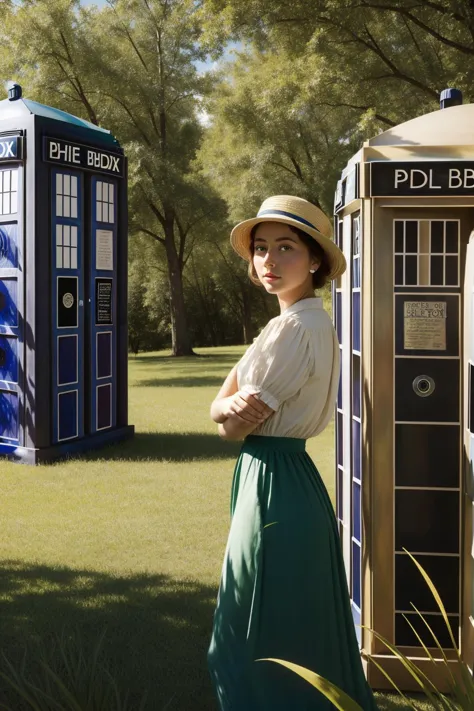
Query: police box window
426	252
66	195
105	202
8	191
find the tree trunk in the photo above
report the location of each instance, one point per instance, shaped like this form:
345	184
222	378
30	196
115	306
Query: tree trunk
246	316
181	341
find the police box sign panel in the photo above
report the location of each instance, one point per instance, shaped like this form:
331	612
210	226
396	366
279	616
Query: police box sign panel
434	178
10	148
78	155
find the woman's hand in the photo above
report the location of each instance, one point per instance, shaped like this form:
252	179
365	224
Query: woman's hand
248	409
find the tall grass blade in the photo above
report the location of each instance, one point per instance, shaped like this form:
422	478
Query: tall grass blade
389	678
436	596
338	698
423	681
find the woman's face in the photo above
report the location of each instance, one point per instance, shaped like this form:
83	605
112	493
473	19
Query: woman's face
282	261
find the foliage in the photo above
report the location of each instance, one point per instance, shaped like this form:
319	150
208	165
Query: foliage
62	674
129	66
270	135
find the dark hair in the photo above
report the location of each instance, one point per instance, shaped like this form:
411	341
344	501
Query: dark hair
320	276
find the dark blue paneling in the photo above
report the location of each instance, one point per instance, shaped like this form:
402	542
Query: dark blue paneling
9	359
104	355
340	439
339	316
67	415
356	320
356	273
8	302
103	302
356	449
356	517
8	415
67	302
104	406
67	360
356	583
356	388
8	246
340	490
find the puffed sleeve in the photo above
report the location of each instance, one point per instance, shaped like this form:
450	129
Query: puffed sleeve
281	364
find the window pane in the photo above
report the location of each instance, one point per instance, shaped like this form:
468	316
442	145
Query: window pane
74	207
66	235
67	206
99	212
411	236
452	245
73	236
437	271
399	236
59	257
6	203
411	276
399	270
59	206
424	263
98	190
66	255
74	186
6	181
451	271
67	185
437	242
73	258
59	184
15	180
59	234
111	193
14	205
111	214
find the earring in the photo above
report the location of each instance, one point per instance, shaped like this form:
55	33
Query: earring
311	271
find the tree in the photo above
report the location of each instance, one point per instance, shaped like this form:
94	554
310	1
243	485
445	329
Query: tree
389	58
129	67
270	135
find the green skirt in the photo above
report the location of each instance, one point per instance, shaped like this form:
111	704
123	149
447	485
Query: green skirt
283	591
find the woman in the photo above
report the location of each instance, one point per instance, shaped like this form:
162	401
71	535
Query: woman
283	590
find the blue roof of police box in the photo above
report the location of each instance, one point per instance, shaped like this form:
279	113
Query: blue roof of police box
10	109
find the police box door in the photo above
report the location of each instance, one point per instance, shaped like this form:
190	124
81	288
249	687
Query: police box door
429	247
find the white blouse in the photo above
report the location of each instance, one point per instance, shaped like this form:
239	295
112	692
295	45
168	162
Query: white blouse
293	366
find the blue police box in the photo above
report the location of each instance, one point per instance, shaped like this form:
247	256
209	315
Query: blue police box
63	283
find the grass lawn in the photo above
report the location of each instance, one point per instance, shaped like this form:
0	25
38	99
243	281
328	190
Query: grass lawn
131	539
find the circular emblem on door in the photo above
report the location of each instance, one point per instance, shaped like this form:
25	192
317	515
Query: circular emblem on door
68	300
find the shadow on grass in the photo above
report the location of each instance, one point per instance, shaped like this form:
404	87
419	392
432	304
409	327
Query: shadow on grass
157	628
162	446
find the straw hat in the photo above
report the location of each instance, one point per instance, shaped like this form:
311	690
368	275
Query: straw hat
296	212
